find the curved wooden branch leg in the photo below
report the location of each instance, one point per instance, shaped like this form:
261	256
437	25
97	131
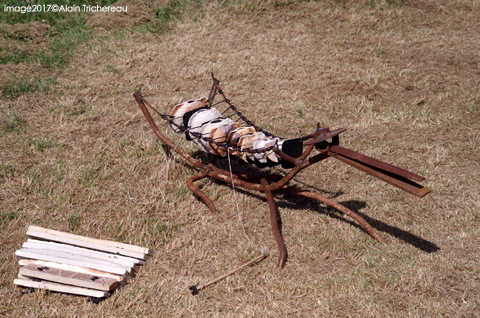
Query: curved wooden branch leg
199	192
370	230
274	221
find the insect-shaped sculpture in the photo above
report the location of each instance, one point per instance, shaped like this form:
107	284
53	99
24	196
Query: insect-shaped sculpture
230	133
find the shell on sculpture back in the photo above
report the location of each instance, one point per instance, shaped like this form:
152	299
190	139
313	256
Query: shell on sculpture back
215	134
180	109
219	134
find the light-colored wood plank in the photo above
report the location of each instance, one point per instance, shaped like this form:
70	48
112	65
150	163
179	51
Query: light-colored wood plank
58	258
83	241
60	288
119	278
68	277
75	257
118	256
123	246
113	258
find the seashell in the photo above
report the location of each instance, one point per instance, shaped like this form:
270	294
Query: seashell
234	135
219	134
198	124
242	143
271	155
279	145
260	145
182	108
246	142
201	118
204	145
194	117
213	125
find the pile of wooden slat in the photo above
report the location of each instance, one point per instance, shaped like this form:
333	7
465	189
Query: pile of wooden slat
75	264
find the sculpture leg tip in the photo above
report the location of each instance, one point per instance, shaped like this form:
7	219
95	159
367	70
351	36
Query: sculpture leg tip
282	260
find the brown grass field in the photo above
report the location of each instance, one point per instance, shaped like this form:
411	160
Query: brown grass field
403	77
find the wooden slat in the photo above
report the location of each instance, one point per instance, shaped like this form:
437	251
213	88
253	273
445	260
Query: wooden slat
68	277
76	257
395	180
117	256
84	270
375	163
113	258
101	245
60	288
65	258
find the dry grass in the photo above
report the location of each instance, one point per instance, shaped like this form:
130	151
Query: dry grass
78	156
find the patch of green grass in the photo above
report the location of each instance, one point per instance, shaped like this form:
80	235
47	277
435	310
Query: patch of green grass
9	216
57	54
61	50
180	191
91	173
88	177
283	3
41	145
168	12
79	108
23	85
110	68
374	3
165	15
119	232
9	55
74	221
31	181
155	225
6	171
156	232
66	33
13	124
75	111
394	2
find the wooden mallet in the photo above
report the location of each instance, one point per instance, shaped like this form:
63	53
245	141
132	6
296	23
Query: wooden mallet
196	289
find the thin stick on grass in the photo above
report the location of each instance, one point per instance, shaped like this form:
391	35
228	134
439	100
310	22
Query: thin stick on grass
196	289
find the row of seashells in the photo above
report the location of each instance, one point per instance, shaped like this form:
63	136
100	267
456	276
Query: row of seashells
196	119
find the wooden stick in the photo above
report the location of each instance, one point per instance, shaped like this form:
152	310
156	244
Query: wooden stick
74	256
68	277
22	281
113	258
196	289
66	259
101	245
78	269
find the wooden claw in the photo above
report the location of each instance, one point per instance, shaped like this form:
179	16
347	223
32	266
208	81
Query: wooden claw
199	192
275	227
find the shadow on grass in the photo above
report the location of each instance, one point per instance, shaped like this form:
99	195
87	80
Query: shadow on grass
299	203
296	202
293	202
405	236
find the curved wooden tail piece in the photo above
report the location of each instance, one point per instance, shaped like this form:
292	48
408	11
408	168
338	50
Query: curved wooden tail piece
396	176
